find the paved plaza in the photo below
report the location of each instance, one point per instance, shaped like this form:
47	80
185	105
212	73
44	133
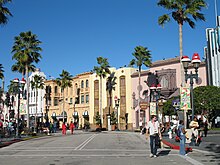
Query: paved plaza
91	148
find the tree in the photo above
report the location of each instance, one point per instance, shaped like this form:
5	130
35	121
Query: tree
20	68
207	101
64	82
26	51
142	57
110	86
168	108
102	70
37	83
1	72
183	11
4	12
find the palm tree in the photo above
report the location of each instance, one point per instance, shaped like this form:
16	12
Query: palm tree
2	76
37	83
1	72
20	68
110	86
4	12
26	52
64	82
181	12
142	57
102	70
1	88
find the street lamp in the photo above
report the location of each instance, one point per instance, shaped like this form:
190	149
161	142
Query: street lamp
117	102
19	89
195	62
155	90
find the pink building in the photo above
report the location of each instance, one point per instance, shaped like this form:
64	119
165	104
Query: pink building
169	76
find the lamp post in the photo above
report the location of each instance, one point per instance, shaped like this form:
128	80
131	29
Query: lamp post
195	62
117	102
155	90
19	89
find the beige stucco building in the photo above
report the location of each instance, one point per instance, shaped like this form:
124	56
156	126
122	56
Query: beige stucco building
82	100
75	103
123	89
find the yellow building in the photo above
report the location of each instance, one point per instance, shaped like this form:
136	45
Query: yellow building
123	91
75	104
82	101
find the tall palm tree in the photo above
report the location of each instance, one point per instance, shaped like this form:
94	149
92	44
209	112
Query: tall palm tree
142	57
102	70
110	86
26	51
64	82
1	88
1	71
37	83
183	11
4	12
20	68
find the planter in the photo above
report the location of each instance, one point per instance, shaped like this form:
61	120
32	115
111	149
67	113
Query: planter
113	127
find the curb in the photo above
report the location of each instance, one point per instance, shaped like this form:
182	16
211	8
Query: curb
7	143
175	147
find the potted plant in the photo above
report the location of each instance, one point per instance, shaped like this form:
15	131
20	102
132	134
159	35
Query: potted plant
97	120
113	120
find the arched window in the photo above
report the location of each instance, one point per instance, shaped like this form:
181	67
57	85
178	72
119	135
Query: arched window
82	84
87	83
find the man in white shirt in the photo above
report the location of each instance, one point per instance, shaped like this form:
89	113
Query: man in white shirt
154	131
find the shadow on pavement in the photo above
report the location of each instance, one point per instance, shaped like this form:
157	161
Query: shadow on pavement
164	153
213	148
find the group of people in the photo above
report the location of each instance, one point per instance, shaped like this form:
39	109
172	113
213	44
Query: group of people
66	126
154	131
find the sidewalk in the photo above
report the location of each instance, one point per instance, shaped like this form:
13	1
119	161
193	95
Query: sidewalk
207	144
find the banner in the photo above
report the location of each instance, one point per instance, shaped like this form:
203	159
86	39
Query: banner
153	109
185	103
23	104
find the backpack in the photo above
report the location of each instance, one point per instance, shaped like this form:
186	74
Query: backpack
178	132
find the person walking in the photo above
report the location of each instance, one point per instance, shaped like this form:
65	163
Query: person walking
205	128
182	133
72	126
154	131
194	125
64	128
54	126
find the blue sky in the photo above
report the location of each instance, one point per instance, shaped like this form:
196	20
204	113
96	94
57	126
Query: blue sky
75	32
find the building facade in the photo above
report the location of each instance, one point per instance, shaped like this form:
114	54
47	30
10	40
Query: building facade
36	99
122	93
73	105
212	54
169	77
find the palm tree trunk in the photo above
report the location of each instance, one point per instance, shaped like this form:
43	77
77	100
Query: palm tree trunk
181	64
63	104
3	84
139	97
27	81
181	54
35	123
101	102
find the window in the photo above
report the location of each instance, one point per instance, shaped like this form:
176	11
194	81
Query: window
87	98
55	89
87	83
71	100
82	84
55	101
82	99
